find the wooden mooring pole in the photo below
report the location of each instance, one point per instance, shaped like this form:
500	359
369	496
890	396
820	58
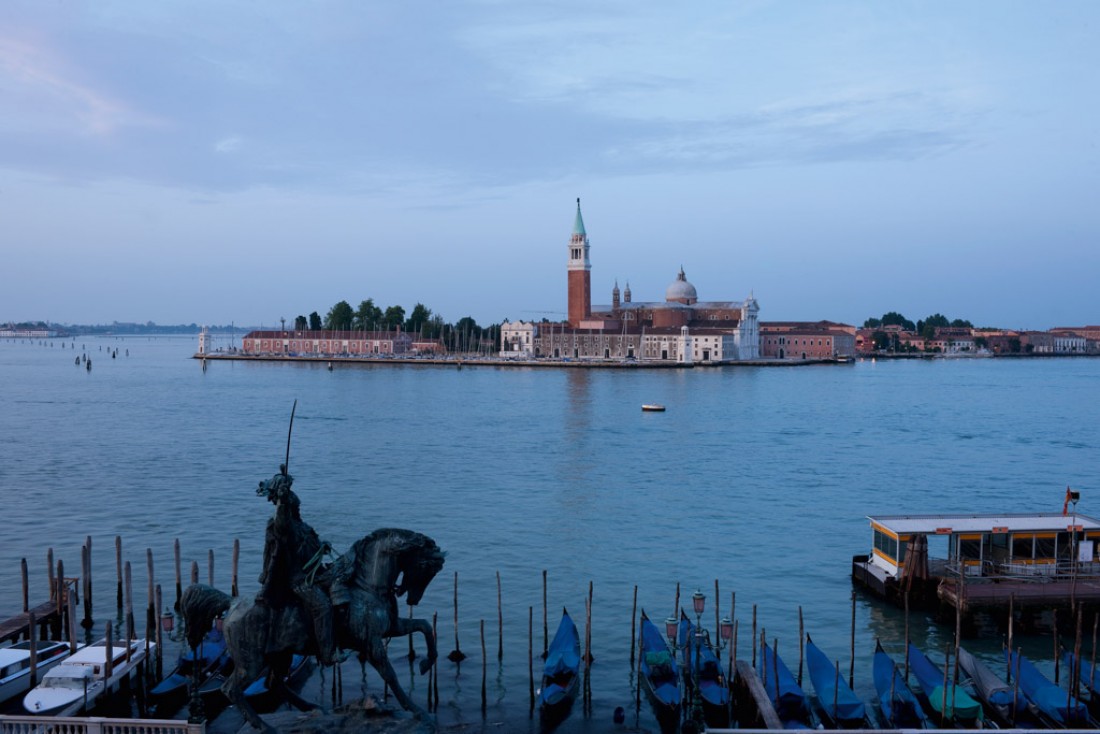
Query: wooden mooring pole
151	618
118	570
633	618
236	558
129	605
49	572
179	577
194	572
59	624
500	621
545	619
160	634
852	650
26	587
753	638
456	655
86	581
531	653
33	640
484	671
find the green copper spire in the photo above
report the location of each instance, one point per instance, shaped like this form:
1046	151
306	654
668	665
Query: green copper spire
578	225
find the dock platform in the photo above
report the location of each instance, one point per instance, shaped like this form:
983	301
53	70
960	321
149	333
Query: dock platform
47	615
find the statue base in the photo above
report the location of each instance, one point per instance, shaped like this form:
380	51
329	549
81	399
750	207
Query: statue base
363	716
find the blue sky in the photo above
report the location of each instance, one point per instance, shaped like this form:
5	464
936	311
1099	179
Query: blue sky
212	162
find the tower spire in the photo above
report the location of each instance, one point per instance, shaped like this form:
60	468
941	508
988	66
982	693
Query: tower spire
578	223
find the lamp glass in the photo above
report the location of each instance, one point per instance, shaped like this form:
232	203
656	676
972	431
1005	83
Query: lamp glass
699	600
670	628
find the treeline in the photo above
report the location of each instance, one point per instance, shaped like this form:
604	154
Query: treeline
465	335
926	328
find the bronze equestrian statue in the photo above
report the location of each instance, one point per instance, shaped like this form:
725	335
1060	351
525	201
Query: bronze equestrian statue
309	608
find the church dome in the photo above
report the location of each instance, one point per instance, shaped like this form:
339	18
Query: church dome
681	290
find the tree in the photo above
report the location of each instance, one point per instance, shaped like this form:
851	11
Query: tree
394	317
418	319
1014	344
339	317
315	321
300	323
894	318
872	323
881	340
367	316
962	324
929	325
980	342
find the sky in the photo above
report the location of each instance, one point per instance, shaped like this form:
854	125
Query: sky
213	162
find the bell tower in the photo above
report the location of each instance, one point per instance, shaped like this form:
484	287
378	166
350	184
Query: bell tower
580	273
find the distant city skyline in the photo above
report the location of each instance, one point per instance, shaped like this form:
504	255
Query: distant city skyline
210	163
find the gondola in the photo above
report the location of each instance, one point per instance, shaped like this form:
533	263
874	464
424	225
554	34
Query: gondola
790	701
950	704
900	707
1008	706
661	675
561	674
1055	704
838	703
211	658
714	693
261	697
1090	679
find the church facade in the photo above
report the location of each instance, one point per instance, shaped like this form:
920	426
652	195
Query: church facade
680	329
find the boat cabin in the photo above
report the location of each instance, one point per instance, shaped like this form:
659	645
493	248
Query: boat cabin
1038	544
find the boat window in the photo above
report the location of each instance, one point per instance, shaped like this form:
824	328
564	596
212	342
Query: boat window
1044	547
902	545
1023	547
1064	545
886	545
970	549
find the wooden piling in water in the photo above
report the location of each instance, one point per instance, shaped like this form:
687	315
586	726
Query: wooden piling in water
500	621
545	619
852	650
129	604
1011	624
907	635
71	629
412	651
1054	613
159	633
179	577
210	566
801	643
588	659
194	572
118	570
150	608
49	573
59	595
435	668
236	558
754	636
633	634
484	671
26	587
456	655
531	653
717	620
676	605
89	605
86	581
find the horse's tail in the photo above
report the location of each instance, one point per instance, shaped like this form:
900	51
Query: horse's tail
200	604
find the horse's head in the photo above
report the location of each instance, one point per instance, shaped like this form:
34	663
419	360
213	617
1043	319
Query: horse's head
419	564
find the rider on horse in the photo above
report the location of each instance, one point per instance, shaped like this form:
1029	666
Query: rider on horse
293	569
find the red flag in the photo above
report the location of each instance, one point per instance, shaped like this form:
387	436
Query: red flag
1065	505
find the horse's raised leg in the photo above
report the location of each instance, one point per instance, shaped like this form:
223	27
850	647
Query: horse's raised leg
405	626
280	668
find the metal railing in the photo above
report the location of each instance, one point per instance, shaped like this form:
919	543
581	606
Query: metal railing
990	571
94	725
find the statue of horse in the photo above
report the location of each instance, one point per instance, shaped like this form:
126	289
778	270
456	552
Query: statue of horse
259	635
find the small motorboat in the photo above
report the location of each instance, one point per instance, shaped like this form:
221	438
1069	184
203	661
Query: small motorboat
661	675
653	408
561	674
15	665
76	684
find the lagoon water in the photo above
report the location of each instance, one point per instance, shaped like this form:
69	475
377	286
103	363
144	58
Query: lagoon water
761	478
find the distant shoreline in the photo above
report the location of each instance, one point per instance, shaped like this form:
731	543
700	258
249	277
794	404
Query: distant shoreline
504	362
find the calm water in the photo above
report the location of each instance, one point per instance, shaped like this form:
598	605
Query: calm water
759	478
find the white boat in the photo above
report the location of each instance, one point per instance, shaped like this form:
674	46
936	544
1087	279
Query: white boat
15	665
74	686
653	408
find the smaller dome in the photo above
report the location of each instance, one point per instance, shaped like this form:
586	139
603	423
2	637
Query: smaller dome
681	290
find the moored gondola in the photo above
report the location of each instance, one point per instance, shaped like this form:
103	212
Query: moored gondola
714	692
790	701
839	705
949	704
660	675
1055	704
561	674
900	708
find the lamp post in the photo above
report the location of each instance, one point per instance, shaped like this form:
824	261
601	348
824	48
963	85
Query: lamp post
1073	498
